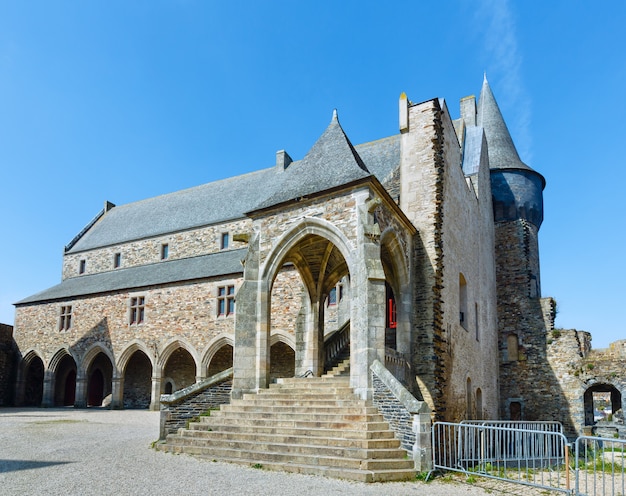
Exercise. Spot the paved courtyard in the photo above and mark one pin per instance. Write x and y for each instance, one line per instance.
(102, 452)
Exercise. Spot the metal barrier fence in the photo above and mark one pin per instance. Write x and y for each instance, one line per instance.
(600, 466)
(533, 457)
(532, 425)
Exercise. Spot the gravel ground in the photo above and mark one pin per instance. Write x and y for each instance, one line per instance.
(103, 452)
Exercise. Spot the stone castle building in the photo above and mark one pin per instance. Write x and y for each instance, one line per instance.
(420, 249)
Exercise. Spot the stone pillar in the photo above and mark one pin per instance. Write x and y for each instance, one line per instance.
(311, 344)
(367, 328)
(423, 449)
(155, 394)
(47, 400)
(80, 400)
(117, 393)
(250, 353)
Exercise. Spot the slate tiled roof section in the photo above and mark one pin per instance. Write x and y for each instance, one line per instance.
(171, 271)
(199, 206)
(473, 149)
(502, 151)
(231, 198)
(331, 162)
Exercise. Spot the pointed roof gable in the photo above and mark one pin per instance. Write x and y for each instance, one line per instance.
(502, 151)
(330, 163)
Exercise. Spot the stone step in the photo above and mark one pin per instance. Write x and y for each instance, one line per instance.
(271, 428)
(288, 438)
(288, 399)
(301, 416)
(216, 421)
(290, 457)
(212, 442)
(282, 409)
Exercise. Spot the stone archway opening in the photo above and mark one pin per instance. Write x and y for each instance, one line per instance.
(282, 361)
(302, 293)
(137, 381)
(65, 382)
(99, 381)
(33, 382)
(179, 370)
(601, 402)
(222, 360)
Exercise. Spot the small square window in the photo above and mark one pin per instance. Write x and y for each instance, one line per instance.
(137, 310)
(65, 319)
(117, 260)
(225, 241)
(225, 300)
(82, 266)
(165, 251)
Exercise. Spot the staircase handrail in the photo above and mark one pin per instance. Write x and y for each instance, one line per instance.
(336, 342)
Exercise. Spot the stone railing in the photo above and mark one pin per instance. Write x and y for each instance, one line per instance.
(178, 408)
(336, 343)
(397, 364)
(408, 417)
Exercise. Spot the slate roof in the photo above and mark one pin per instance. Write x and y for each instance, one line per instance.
(472, 151)
(186, 269)
(331, 162)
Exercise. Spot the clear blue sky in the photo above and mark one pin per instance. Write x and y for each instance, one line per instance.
(120, 101)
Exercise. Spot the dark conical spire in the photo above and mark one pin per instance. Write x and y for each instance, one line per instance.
(502, 151)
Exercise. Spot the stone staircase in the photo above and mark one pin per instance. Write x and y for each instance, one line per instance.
(305, 425)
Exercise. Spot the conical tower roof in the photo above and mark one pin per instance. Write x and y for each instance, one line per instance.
(502, 151)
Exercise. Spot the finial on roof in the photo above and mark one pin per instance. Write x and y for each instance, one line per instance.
(335, 118)
(485, 77)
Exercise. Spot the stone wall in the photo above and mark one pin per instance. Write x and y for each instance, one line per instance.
(8, 363)
(184, 244)
(183, 406)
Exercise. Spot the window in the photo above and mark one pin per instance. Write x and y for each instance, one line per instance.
(137, 309)
(463, 316)
(82, 266)
(65, 320)
(165, 251)
(225, 241)
(477, 321)
(225, 300)
(332, 297)
(117, 260)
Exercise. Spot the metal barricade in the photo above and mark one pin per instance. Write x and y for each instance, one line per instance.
(532, 457)
(532, 425)
(600, 466)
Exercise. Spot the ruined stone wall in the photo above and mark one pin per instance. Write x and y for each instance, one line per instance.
(8, 362)
(184, 244)
(530, 388)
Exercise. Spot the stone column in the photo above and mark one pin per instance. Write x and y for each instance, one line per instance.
(80, 400)
(117, 393)
(48, 389)
(155, 394)
(250, 355)
(311, 342)
(367, 329)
